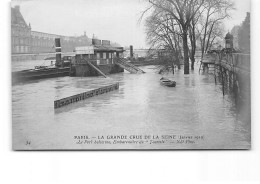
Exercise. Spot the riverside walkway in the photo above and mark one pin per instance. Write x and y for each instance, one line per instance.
(232, 70)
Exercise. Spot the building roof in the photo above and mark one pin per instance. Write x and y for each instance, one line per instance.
(107, 48)
(17, 18)
(229, 36)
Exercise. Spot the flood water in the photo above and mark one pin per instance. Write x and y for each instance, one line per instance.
(141, 107)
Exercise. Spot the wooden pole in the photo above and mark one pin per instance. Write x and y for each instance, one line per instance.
(215, 75)
(223, 87)
(131, 52)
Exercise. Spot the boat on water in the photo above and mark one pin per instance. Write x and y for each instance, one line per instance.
(39, 72)
(167, 82)
(61, 69)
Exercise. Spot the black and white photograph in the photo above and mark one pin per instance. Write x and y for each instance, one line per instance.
(130, 74)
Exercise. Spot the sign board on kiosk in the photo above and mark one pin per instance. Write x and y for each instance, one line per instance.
(84, 50)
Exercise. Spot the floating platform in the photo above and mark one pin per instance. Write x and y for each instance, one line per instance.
(82, 96)
(85, 68)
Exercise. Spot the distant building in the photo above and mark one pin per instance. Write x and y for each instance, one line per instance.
(20, 32)
(241, 35)
(44, 42)
(244, 35)
(24, 40)
(234, 32)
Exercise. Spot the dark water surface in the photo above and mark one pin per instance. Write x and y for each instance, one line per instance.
(141, 106)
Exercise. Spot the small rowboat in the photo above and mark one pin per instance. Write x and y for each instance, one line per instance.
(167, 82)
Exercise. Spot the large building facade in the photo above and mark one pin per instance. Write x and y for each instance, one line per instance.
(26, 41)
(20, 32)
(241, 35)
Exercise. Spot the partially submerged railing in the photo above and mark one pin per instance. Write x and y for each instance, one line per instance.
(82, 96)
(235, 62)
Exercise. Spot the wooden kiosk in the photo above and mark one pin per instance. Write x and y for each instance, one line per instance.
(97, 59)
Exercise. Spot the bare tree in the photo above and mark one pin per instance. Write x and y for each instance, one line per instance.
(162, 33)
(197, 20)
(183, 11)
(193, 38)
(216, 33)
(214, 11)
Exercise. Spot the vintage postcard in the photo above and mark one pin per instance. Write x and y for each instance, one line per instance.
(130, 75)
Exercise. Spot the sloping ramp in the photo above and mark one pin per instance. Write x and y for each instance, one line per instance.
(95, 68)
(127, 66)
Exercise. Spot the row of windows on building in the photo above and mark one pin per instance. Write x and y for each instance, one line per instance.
(43, 36)
(24, 41)
(46, 36)
(23, 33)
(32, 42)
(45, 45)
(103, 55)
(20, 41)
(20, 49)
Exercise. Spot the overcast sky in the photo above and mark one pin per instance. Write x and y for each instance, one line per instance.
(115, 20)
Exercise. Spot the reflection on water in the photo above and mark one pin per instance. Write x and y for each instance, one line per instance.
(141, 106)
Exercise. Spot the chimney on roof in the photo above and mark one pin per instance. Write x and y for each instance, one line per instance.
(17, 7)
